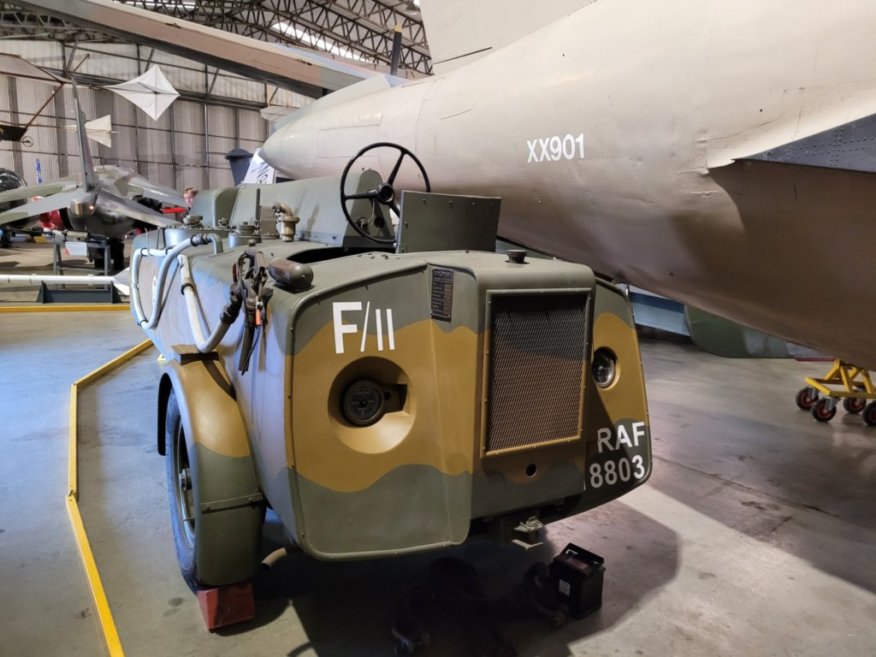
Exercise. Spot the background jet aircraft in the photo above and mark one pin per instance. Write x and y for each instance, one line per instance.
(635, 136)
(100, 204)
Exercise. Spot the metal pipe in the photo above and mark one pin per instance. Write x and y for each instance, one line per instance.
(169, 259)
(193, 308)
(274, 557)
(36, 279)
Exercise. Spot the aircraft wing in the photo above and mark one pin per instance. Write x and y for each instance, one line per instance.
(36, 208)
(124, 207)
(46, 189)
(460, 31)
(138, 185)
(297, 69)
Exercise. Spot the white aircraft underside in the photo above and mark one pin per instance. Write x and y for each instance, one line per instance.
(620, 136)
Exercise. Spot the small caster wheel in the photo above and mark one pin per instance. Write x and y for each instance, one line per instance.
(854, 404)
(869, 414)
(557, 620)
(806, 398)
(824, 409)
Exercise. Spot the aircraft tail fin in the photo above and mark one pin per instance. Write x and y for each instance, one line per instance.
(90, 178)
(460, 31)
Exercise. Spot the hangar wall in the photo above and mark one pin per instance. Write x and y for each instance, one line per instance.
(217, 111)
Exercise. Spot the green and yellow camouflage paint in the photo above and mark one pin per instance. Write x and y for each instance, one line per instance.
(491, 410)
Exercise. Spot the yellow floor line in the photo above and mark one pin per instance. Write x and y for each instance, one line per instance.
(110, 634)
(66, 308)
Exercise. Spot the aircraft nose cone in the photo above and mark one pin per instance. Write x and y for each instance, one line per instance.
(271, 150)
(291, 150)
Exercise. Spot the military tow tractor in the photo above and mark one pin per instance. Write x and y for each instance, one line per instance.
(379, 376)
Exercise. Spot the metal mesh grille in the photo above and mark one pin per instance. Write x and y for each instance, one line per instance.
(536, 367)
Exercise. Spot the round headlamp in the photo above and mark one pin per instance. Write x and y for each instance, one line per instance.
(604, 367)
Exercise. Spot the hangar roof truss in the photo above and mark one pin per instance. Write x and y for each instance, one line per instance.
(359, 29)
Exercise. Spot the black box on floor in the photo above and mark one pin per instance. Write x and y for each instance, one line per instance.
(576, 577)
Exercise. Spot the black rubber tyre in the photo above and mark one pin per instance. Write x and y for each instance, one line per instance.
(181, 493)
(806, 398)
(869, 414)
(96, 258)
(117, 255)
(854, 404)
(824, 409)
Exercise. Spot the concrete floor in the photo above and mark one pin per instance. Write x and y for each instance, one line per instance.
(754, 536)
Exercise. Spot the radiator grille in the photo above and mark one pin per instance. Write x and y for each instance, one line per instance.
(536, 366)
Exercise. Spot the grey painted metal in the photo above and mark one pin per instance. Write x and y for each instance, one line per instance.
(446, 222)
(848, 146)
(658, 312)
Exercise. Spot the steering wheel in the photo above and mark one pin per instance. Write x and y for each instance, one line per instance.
(383, 194)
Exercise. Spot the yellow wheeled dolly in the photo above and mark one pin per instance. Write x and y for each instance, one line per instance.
(844, 381)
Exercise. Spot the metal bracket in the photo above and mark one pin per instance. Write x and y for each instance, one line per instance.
(187, 353)
(231, 503)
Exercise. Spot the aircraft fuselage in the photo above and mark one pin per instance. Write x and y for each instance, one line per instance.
(614, 137)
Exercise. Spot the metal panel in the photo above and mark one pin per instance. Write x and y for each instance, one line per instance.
(250, 144)
(87, 101)
(107, 61)
(219, 146)
(221, 177)
(162, 174)
(45, 144)
(73, 164)
(122, 111)
(71, 146)
(31, 96)
(236, 87)
(190, 176)
(41, 53)
(190, 79)
(124, 144)
(154, 145)
(188, 117)
(221, 121)
(252, 125)
(286, 98)
(536, 369)
(189, 149)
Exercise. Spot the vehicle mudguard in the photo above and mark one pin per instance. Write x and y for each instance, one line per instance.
(229, 505)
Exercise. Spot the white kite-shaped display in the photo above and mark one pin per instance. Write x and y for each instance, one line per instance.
(100, 130)
(151, 92)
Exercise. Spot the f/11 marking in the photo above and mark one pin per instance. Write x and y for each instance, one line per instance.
(338, 310)
(553, 149)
